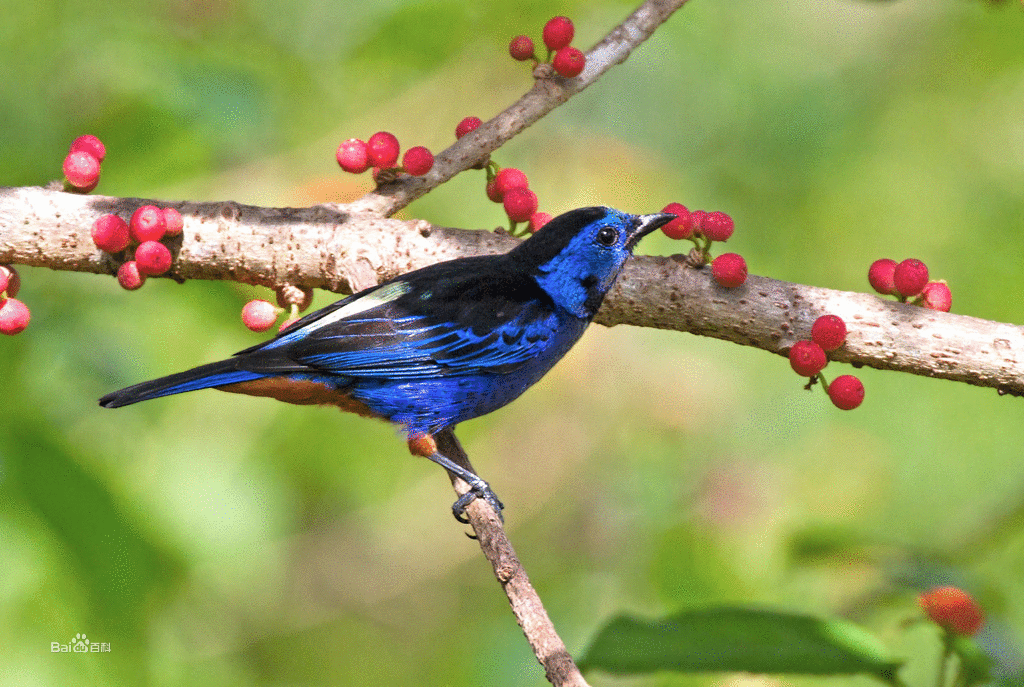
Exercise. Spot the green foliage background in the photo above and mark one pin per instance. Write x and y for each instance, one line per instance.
(219, 540)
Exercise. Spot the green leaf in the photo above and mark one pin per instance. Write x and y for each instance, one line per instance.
(738, 640)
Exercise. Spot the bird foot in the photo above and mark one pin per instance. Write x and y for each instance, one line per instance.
(477, 489)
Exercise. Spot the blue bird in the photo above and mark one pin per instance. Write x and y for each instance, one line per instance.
(439, 345)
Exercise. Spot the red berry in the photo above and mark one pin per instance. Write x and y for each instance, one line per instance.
(520, 204)
(259, 315)
(110, 233)
(953, 609)
(466, 125)
(152, 258)
(173, 223)
(538, 220)
(846, 392)
(937, 296)
(287, 323)
(569, 62)
(10, 280)
(807, 358)
(729, 270)
(697, 218)
(558, 33)
(521, 48)
(829, 332)
(147, 224)
(507, 179)
(89, 144)
(678, 228)
(14, 316)
(880, 275)
(492, 192)
(383, 149)
(417, 161)
(353, 156)
(129, 277)
(718, 226)
(82, 170)
(910, 276)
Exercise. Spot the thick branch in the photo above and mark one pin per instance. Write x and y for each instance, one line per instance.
(773, 315)
(324, 247)
(332, 248)
(548, 92)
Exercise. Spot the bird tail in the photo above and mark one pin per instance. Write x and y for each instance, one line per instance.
(202, 377)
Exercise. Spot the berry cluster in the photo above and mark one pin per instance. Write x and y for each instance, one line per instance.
(14, 314)
(558, 33)
(507, 186)
(808, 358)
(510, 187)
(704, 228)
(908, 281)
(380, 152)
(260, 315)
(148, 226)
(82, 164)
(952, 609)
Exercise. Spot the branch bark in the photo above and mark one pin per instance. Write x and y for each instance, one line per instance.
(548, 647)
(338, 249)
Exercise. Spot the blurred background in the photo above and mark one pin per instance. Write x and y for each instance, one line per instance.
(213, 539)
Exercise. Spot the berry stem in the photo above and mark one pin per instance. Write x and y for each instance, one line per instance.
(816, 379)
(705, 249)
(947, 651)
(960, 677)
(492, 170)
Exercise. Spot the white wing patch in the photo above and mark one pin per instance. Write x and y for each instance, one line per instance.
(379, 296)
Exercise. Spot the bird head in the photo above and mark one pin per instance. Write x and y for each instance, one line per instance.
(577, 256)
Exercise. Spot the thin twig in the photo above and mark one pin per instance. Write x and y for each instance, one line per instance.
(526, 605)
(548, 92)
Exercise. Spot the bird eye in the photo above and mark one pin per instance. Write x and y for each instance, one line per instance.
(607, 236)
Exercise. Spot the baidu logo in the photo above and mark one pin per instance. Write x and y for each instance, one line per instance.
(79, 644)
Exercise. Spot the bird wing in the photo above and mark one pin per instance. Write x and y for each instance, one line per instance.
(466, 320)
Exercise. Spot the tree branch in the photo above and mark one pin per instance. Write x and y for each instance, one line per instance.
(548, 647)
(332, 247)
(548, 92)
(664, 292)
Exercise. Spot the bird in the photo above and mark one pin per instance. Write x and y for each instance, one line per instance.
(439, 345)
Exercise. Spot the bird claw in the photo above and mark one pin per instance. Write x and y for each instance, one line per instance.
(477, 489)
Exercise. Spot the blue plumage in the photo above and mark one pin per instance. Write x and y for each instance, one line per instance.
(440, 345)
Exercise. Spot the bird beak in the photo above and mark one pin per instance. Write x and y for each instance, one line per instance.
(645, 224)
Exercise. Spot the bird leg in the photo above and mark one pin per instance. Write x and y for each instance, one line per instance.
(426, 445)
